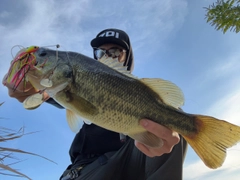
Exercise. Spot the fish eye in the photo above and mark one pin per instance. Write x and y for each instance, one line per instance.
(42, 52)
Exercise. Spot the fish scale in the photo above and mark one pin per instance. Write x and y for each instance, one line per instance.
(114, 86)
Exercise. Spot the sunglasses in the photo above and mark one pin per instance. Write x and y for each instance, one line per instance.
(113, 52)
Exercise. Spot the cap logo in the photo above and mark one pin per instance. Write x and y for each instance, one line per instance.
(109, 34)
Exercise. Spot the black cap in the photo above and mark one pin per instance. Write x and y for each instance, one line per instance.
(114, 36)
(118, 37)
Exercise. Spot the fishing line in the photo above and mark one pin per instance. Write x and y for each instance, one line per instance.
(19, 46)
(48, 80)
(55, 45)
(64, 49)
(68, 58)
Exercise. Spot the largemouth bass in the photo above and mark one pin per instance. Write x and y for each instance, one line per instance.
(106, 94)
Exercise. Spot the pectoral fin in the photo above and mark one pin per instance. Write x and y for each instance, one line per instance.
(148, 139)
(83, 107)
(78, 109)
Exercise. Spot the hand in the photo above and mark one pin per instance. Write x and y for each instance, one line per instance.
(22, 91)
(169, 138)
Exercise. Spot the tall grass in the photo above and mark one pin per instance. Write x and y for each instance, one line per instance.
(8, 154)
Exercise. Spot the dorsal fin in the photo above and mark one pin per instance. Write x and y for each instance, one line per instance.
(115, 64)
(168, 92)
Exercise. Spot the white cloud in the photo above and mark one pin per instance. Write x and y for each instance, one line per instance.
(227, 108)
(225, 66)
(157, 24)
(229, 170)
(46, 23)
(72, 24)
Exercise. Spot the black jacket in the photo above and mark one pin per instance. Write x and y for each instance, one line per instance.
(91, 140)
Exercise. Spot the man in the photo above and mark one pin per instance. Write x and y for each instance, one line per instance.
(97, 153)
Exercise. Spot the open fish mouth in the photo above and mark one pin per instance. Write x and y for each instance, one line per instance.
(24, 61)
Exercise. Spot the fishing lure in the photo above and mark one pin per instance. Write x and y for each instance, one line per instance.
(20, 65)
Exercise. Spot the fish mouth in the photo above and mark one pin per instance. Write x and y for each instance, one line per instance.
(20, 65)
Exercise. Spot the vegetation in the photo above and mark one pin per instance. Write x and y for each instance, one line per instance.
(8, 153)
(224, 15)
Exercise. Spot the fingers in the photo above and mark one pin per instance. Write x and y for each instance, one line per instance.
(169, 138)
(24, 90)
(160, 131)
(150, 152)
(21, 96)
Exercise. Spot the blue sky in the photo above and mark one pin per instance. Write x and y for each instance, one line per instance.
(170, 39)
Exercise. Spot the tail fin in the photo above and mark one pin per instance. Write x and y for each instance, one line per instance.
(213, 138)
